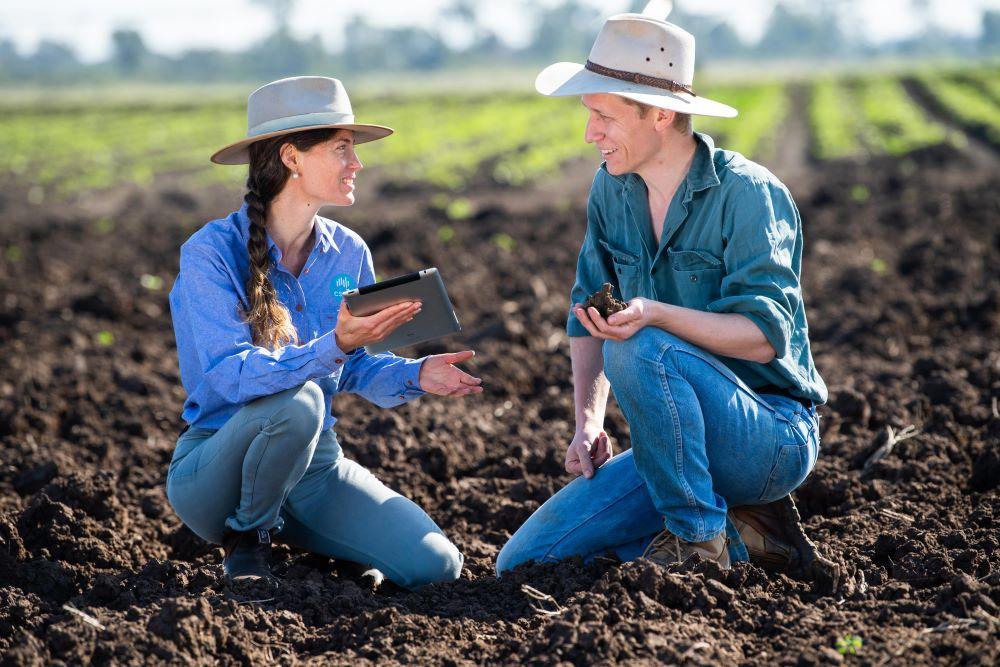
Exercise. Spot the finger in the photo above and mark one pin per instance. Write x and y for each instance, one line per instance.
(345, 312)
(581, 315)
(465, 378)
(598, 321)
(572, 463)
(456, 357)
(392, 311)
(602, 450)
(623, 316)
(387, 327)
(586, 465)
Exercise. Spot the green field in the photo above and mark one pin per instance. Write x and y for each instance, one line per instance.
(448, 140)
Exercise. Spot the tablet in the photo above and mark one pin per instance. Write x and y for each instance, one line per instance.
(436, 318)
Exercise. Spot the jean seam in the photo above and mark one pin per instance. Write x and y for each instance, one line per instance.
(679, 438)
(590, 518)
(260, 459)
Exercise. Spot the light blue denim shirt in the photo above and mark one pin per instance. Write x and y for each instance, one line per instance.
(221, 368)
(731, 243)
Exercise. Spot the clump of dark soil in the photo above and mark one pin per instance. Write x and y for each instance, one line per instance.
(605, 302)
(904, 311)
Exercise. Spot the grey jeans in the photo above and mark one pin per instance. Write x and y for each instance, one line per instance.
(270, 466)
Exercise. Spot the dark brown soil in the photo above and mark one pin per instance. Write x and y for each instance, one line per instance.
(904, 305)
(604, 302)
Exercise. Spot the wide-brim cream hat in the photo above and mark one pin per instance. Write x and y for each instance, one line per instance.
(295, 104)
(641, 57)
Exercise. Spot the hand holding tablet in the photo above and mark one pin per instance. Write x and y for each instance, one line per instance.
(406, 310)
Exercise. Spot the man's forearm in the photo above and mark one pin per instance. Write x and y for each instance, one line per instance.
(590, 386)
(725, 334)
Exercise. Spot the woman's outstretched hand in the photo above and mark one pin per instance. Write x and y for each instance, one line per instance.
(354, 332)
(438, 375)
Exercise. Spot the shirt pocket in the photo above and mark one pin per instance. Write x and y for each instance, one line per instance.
(697, 276)
(628, 271)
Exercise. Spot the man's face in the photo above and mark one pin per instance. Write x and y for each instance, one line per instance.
(626, 141)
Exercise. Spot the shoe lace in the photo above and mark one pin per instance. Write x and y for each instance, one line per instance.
(665, 544)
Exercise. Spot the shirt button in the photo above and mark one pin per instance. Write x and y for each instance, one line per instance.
(409, 382)
(338, 360)
(298, 307)
(305, 270)
(694, 279)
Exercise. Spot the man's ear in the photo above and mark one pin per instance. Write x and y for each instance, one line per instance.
(664, 119)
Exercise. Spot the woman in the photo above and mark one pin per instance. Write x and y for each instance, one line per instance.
(265, 340)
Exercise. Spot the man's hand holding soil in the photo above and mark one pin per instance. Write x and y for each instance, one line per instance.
(618, 326)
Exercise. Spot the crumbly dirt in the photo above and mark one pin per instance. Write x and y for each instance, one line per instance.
(605, 302)
(903, 300)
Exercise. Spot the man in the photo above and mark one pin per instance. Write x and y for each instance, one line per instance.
(710, 361)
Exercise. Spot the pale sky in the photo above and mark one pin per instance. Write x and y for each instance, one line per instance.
(173, 26)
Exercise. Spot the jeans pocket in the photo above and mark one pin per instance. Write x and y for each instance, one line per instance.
(791, 466)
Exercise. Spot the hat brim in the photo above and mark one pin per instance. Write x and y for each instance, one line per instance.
(236, 152)
(570, 79)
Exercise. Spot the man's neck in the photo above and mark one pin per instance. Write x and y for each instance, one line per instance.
(668, 169)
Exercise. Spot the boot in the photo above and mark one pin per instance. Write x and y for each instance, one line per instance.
(248, 555)
(667, 548)
(776, 541)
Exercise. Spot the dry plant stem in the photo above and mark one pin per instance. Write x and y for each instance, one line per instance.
(536, 594)
(892, 438)
(86, 618)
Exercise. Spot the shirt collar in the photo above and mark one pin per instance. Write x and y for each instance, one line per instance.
(324, 232)
(701, 174)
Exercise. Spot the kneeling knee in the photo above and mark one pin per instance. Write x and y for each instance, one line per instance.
(437, 561)
(303, 407)
(622, 357)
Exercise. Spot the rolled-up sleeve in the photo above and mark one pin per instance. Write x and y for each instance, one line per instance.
(208, 304)
(592, 270)
(762, 256)
(385, 379)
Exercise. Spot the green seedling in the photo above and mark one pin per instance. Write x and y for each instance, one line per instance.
(152, 283)
(879, 266)
(446, 233)
(849, 644)
(503, 241)
(458, 209)
(104, 338)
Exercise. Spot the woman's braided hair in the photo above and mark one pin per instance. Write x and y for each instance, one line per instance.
(270, 322)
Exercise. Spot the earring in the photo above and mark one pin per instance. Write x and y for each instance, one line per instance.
(295, 174)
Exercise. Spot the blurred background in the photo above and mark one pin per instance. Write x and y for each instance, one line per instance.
(131, 92)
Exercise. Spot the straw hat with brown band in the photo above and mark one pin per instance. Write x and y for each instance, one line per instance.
(641, 57)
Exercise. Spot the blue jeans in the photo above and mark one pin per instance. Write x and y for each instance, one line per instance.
(701, 441)
(270, 466)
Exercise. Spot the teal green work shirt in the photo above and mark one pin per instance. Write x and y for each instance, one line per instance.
(731, 243)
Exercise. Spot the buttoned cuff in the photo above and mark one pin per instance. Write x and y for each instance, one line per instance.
(410, 387)
(329, 353)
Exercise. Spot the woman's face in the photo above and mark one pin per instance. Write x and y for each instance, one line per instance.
(327, 170)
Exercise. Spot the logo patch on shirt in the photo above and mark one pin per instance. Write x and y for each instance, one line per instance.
(340, 284)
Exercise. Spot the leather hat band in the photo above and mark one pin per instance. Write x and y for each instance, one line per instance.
(642, 79)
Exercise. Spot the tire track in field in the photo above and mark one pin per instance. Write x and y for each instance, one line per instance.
(979, 148)
(791, 153)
